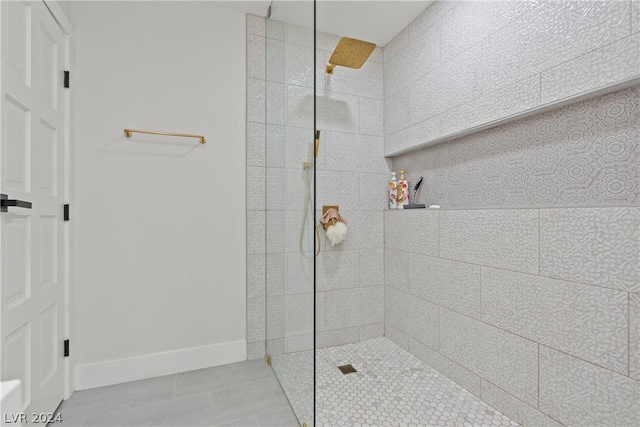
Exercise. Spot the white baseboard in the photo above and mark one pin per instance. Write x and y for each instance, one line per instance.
(118, 371)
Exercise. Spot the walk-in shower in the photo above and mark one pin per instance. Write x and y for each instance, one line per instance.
(500, 307)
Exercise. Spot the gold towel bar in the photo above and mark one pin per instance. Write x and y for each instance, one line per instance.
(128, 133)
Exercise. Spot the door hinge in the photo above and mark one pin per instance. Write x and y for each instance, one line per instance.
(66, 79)
(66, 212)
(66, 348)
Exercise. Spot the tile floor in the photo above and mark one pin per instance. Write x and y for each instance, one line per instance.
(241, 394)
(391, 388)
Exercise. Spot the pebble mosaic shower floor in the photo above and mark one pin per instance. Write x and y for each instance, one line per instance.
(391, 388)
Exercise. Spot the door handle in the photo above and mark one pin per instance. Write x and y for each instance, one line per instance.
(5, 203)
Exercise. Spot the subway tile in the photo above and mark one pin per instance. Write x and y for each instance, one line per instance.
(255, 188)
(498, 238)
(584, 321)
(413, 316)
(256, 144)
(354, 307)
(414, 231)
(514, 408)
(371, 118)
(575, 392)
(275, 60)
(447, 367)
(502, 358)
(614, 63)
(634, 343)
(597, 246)
(256, 25)
(256, 277)
(550, 35)
(256, 232)
(255, 319)
(256, 55)
(256, 101)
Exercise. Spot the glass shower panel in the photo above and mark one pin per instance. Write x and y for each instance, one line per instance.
(290, 228)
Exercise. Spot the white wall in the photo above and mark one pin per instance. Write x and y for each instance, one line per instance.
(160, 221)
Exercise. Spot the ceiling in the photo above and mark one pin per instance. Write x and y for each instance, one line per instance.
(371, 20)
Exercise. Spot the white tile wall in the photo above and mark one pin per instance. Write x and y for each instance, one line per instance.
(448, 367)
(584, 321)
(499, 238)
(476, 322)
(507, 360)
(601, 68)
(595, 246)
(514, 408)
(634, 343)
(415, 317)
(578, 393)
(530, 55)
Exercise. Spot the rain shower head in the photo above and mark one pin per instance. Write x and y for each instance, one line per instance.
(350, 53)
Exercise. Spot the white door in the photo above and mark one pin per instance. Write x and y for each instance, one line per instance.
(32, 170)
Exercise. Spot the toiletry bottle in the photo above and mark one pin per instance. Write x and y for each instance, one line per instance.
(403, 191)
(393, 192)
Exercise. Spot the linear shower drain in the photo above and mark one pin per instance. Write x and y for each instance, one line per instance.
(347, 369)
